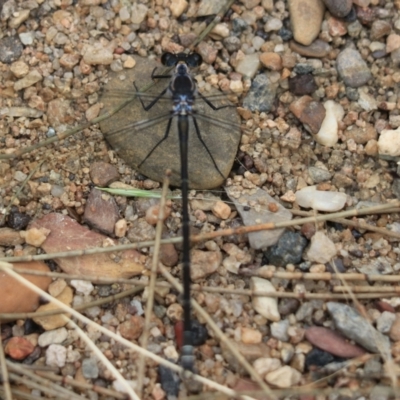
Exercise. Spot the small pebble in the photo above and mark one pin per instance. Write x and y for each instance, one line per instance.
(380, 29)
(10, 49)
(30, 79)
(250, 335)
(352, 68)
(221, 210)
(19, 69)
(322, 249)
(271, 61)
(311, 113)
(98, 55)
(169, 381)
(306, 19)
(392, 42)
(249, 65)
(204, 263)
(266, 306)
(332, 342)
(302, 84)
(284, 377)
(121, 227)
(310, 197)
(288, 250)
(84, 287)
(26, 38)
(318, 358)
(264, 365)
(252, 216)
(101, 211)
(17, 220)
(56, 356)
(279, 330)
(90, 369)
(328, 133)
(35, 237)
(133, 328)
(338, 8)
(385, 321)
(18, 348)
(55, 336)
(54, 321)
(103, 174)
(389, 142)
(317, 49)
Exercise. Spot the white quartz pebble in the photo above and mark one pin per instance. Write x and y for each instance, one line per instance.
(328, 133)
(310, 197)
(265, 306)
(389, 142)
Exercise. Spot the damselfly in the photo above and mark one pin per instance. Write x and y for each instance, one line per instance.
(185, 119)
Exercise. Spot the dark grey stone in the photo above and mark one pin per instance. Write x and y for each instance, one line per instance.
(261, 96)
(10, 49)
(288, 250)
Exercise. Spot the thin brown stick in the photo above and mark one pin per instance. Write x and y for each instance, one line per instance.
(261, 272)
(244, 292)
(360, 225)
(81, 385)
(4, 372)
(153, 276)
(104, 360)
(44, 388)
(210, 235)
(320, 276)
(369, 289)
(19, 368)
(9, 270)
(99, 302)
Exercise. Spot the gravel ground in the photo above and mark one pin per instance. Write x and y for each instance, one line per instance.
(317, 91)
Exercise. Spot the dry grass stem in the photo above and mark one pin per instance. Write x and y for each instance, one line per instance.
(4, 373)
(153, 276)
(8, 268)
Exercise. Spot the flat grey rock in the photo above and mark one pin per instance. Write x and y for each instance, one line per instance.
(352, 325)
(260, 215)
(134, 144)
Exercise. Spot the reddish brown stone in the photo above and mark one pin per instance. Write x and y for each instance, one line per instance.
(16, 297)
(19, 348)
(332, 342)
(103, 173)
(101, 211)
(311, 113)
(133, 328)
(66, 235)
(384, 306)
(168, 255)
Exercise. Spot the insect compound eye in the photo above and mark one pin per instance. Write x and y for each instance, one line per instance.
(169, 59)
(193, 60)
